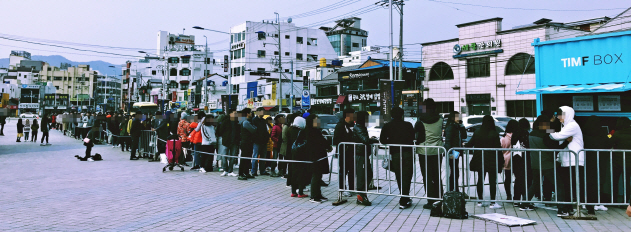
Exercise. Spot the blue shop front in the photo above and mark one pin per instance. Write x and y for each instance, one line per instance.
(590, 74)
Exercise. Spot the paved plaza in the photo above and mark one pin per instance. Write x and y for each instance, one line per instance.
(47, 188)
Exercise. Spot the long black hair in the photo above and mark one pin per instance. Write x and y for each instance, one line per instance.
(524, 124)
(20, 122)
(512, 127)
(290, 119)
(361, 118)
(488, 126)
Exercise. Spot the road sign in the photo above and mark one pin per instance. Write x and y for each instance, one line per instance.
(306, 99)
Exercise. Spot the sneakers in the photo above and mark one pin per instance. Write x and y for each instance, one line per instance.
(302, 195)
(242, 178)
(315, 200)
(526, 207)
(406, 205)
(561, 213)
(363, 200)
(224, 174)
(495, 206)
(250, 176)
(324, 199)
(194, 168)
(600, 208)
(232, 174)
(294, 195)
(133, 158)
(347, 194)
(202, 170)
(273, 174)
(480, 204)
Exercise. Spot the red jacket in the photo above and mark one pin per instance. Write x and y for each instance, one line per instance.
(194, 137)
(277, 132)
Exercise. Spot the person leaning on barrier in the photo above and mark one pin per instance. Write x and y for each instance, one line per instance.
(363, 151)
(429, 130)
(596, 164)
(621, 163)
(567, 172)
(543, 162)
(486, 162)
(455, 132)
(394, 133)
(346, 154)
(135, 130)
(248, 133)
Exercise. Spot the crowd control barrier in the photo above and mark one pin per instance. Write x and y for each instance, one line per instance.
(148, 143)
(607, 173)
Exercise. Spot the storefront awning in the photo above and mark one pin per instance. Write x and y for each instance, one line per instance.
(340, 100)
(591, 88)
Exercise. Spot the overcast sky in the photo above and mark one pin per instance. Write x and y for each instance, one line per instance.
(132, 25)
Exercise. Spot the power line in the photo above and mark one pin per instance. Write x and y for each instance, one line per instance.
(534, 9)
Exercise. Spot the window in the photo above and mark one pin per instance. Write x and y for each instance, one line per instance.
(330, 90)
(185, 72)
(261, 36)
(521, 63)
(48, 78)
(311, 57)
(69, 87)
(183, 86)
(260, 70)
(276, 53)
(298, 73)
(207, 61)
(299, 40)
(242, 53)
(261, 53)
(444, 107)
(69, 78)
(174, 60)
(307, 73)
(312, 41)
(206, 72)
(286, 53)
(173, 85)
(299, 56)
(286, 70)
(173, 72)
(363, 43)
(521, 108)
(479, 67)
(65, 78)
(57, 87)
(153, 72)
(355, 45)
(441, 71)
(186, 60)
(286, 36)
(58, 78)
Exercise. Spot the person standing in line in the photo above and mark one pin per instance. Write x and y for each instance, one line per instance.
(486, 162)
(135, 130)
(53, 121)
(285, 148)
(363, 167)
(260, 142)
(270, 144)
(248, 134)
(45, 127)
(160, 126)
(346, 154)
(183, 133)
(621, 161)
(394, 133)
(297, 173)
(209, 141)
(429, 130)
(317, 148)
(455, 132)
(114, 130)
(221, 119)
(124, 140)
(277, 139)
(568, 160)
(596, 163)
(20, 130)
(3, 120)
(34, 129)
(27, 129)
(524, 140)
(229, 130)
(509, 140)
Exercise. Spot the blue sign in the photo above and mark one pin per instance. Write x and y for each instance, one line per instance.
(252, 87)
(306, 99)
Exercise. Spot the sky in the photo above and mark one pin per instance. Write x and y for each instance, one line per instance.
(123, 27)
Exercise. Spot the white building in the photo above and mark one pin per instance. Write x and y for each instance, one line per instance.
(359, 57)
(108, 91)
(480, 71)
(16, 56)
(254, 57)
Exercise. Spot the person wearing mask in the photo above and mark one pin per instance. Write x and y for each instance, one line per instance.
(135, 130)
(346, 154)
(20, 128)
(125, 141)
(229, 130)
(34, 129)
(597, 164)
(429, 130)
(285, 148)
(27, 129)
(297, 174)
(400, 132)
(317, 148)
(486, 162)
(45, 128)
(543, 162)
(277, 139)
(260, 142)
(455, 132)
(160, 126)
(621, 162)
(363, 167)
(209, 141)
(248, 134)
(568, 160)
(555, 126)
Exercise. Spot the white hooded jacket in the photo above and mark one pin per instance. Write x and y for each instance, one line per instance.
(570, 129)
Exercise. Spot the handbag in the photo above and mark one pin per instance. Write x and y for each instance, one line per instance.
(299, 145)
(86, 140)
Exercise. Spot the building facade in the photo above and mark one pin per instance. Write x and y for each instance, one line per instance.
(107, 92)
(480, 72)
(78, 82)
(347, 36)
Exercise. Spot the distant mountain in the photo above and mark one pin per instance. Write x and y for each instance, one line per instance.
(55, 60)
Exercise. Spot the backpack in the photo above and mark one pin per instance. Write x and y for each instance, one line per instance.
(97, 157)
(453, 205)
(299, 145)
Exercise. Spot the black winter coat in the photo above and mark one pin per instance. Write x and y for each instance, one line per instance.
(493, 160)
(262, 134)
(344, 133)
(397, 132)
(360, 135)
(316, 150)
(454, 134)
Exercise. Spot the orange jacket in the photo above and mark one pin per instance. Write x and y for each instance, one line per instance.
(195, 136)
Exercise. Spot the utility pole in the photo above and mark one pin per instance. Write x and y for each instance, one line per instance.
(279, 95)
(391, 47)
(291, 99)
(205, 90)
(401, 41)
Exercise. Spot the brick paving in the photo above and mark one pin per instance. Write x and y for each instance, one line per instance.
(46, 188)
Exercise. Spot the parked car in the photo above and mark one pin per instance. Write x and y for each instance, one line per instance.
(29, 115)
(475, 119)
(499, 126)
(328, 122)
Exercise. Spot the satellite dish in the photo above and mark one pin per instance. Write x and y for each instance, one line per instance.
(289, 20)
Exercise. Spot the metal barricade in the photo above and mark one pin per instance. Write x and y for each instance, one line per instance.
(148, 143)
(606, 172)
(400, 159)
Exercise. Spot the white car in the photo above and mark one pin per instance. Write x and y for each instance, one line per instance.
(29, 115)
(475, 119)
(375, 131)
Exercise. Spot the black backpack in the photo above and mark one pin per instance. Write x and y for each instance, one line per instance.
(454, 205)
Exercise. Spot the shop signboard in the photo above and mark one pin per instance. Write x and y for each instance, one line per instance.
(229, 101)
(28, 105)
(323, 101)
(583, 103)
(609, 103)
(355, 97)
(306, 102)
(212, 104)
